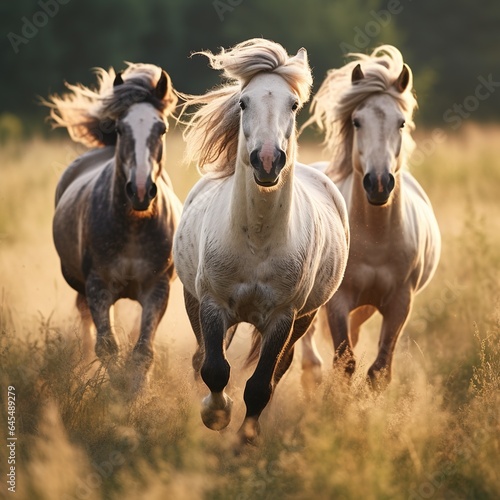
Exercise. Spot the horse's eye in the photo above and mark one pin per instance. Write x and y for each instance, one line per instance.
(402, 124)
(242, 105)
(355, 123)
(295, 106)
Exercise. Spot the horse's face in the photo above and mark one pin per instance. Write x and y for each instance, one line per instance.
(268, 109)
(378, 123)
(139, 150)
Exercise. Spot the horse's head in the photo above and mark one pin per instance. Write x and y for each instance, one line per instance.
(139, 147)
(268, 109)
(378, 123)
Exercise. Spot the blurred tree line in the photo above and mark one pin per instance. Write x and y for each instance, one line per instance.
(450, 45)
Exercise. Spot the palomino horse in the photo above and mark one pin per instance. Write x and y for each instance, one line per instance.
(262, 239)
(365, 109)
(116, 211)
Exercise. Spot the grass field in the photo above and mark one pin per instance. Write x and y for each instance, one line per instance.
(435, 433)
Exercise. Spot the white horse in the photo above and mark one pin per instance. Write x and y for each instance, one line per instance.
(262, 239)
(365, 109)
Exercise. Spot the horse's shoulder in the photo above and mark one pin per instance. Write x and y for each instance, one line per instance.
(314, 178)
(94, 159)
(413, 186)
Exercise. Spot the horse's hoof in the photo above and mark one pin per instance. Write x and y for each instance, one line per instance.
(216, 411)
(249, 432)
(378, 379)
(106, 348)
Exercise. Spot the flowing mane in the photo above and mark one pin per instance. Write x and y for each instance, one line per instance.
(90, 115)
(337, 98)
(212, 131)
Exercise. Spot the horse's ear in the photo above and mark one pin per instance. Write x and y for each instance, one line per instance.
(357, 74)
(302, 55)
(162, 85)
(403, 79)
(118, 79)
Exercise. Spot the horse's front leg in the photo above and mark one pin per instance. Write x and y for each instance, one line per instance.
(100, 299)
(259, 388)
(311, 361)
(215, 369)
(154, 304)
(395, 315)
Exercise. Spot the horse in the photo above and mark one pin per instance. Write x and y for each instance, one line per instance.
(262, 239)
(115, 208)
(365, 109)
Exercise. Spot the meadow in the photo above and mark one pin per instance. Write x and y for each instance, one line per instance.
(434, 433)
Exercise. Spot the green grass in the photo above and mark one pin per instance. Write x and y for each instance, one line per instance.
(435, 433)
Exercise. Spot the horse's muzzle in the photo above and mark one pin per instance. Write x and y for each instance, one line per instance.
(267, 165)
(149, 194)
(378, 187)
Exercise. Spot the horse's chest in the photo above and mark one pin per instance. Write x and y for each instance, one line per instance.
(251, 286)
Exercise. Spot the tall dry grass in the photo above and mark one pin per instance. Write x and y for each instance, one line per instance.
(435, 433)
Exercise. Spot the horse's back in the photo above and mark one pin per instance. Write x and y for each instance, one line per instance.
(90, 162)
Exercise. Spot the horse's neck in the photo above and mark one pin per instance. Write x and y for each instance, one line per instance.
(374, 221)
(261, 215)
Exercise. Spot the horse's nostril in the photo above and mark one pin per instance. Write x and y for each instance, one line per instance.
(391, 183)
(367, 183)
(129, 190)
(254, 158)
(153, 190)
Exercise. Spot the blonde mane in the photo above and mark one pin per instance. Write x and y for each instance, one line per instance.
(212, 131)
(337, 98)
(90, 115)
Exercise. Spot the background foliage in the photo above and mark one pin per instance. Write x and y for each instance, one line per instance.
(448, 44)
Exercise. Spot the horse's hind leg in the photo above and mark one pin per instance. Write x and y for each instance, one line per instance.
(193, 312)
(311, 361)
(303, 324)
(87, 327)
(357, 318)
(338, 322)
(215, 369)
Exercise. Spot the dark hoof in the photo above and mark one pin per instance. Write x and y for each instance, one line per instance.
(216, 411)
(106, 348)
(378, 379)
(249, 432)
